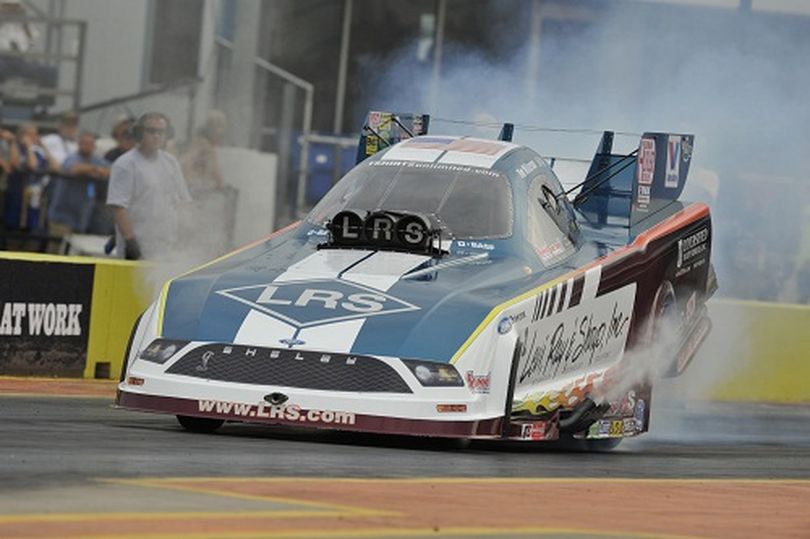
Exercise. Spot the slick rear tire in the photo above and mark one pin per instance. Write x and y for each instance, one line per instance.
(577, 445)
(600, 446)
(203, 425)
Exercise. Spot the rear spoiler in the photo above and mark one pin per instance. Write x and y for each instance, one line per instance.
(624, 189)
(383, 129)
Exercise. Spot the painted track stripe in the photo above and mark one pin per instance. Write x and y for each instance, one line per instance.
(430, 531)
(159, 481)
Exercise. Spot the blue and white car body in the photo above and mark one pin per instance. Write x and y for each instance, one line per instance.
(512, 318)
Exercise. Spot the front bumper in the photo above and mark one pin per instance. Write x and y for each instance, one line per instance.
(311, 389)
(296, 416)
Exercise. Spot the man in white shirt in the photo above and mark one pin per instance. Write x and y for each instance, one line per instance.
(64, 141)
(146, 189)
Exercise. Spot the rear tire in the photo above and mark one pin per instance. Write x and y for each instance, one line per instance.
(603, 445)
(567, 442)
(202, 425)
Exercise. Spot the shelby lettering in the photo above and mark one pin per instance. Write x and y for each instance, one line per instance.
(41, 319)
(580, 343)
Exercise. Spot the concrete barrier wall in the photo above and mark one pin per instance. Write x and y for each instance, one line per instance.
(67, 316)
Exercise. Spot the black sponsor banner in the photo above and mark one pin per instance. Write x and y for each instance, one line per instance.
(44, 317)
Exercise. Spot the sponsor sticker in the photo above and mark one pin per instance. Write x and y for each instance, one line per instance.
(534, 431)
(639, 414)
(464, 169)
(526, 169)
(311, 303)
(628, 426)
(505, 325)
(478, 383)
(551, 252)
(692, 247)
(475, 245)
(673, 171)
(588, 335)
(643, 195)
(686, 149)
(281, 412)
(646, 161)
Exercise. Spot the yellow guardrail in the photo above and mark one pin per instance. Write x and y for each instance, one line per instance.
(757, 351)
(119, 297)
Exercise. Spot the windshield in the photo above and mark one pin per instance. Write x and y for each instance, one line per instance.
(473, 203)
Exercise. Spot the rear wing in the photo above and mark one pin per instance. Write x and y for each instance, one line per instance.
(383, 129)
(625, 189)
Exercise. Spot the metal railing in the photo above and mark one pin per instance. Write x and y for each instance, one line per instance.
(30, 79)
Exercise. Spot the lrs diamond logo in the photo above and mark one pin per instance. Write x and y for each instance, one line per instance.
(312, 303)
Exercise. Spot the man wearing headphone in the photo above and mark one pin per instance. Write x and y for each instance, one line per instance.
(145, 189)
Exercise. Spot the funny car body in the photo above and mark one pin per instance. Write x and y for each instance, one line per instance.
(448, 287)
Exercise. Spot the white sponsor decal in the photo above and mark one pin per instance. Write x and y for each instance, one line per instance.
(464, 169)
(320, 301)
(692, 246)
(475, 245)
(646, 161)
(284, 412)
(589, 335)
(643, 195)
(526, 168)
(478, 383)
(686, 149)
(673, 175)
(41, 319)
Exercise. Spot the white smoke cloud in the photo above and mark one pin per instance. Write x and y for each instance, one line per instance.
(736, 80)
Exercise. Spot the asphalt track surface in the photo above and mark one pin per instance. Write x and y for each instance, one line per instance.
(76, 467)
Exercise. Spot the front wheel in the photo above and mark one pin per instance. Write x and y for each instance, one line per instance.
(200, 424)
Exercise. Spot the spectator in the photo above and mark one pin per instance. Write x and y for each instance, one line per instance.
(146, 188)
(213, 199)
(73, 198)
(200, 162)
(30, 161)
(122, 135)
(6, 139)
(63, 143)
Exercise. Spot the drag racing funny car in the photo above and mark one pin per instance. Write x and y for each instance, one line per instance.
(449, 287)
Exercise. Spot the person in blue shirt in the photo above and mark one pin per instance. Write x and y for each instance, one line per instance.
(74, 193)
(29, 161)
